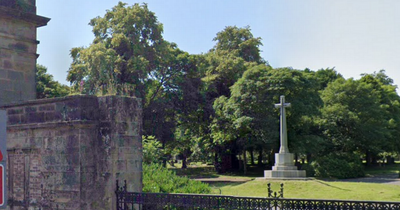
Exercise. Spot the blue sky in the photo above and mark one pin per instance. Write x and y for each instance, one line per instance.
(355, 36)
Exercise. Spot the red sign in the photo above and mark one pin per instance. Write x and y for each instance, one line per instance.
(2, 193)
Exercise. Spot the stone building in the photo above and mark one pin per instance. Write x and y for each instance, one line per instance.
(18, 23)
(63, 153)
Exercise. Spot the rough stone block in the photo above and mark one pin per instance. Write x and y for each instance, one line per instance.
(56, 156)
(3, 73)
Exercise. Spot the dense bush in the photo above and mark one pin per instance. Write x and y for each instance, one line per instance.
(339, 165)
(158, 179)
(310, 171)
(152, 150)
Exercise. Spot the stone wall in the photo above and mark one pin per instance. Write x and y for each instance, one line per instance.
(18, 23)
(66, 153)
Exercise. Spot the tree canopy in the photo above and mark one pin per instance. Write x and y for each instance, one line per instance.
(219, 106)
(46, 87)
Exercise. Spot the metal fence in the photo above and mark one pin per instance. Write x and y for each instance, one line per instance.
(154, 201)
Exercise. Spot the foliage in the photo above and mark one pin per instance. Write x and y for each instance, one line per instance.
(158, 179)
(361, 116)
(127, 48)
(152, 150)
(220, 103)
(244, 115)
(239, 42)
(339, 165)
(310, 171)
(46, 87)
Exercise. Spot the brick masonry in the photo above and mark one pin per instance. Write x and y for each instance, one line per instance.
(18, 23)
(66, 153)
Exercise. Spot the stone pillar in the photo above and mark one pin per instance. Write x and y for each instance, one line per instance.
(66, 153)
(18, 23)
(120, 133)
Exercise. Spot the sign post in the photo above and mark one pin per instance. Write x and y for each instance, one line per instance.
(3, 159)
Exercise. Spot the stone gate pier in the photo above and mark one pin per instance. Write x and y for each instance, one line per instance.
(66, 153)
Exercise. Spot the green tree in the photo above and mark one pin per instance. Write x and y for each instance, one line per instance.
(389, 102)
(249, 116)
(324, 77)
(353, 118)
(240, 42)
(235, 51)
(46, 87)
(126, 52)
(129, 57)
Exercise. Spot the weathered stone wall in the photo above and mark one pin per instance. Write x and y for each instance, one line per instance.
(22, 5)
(66, 153)
(18, 23)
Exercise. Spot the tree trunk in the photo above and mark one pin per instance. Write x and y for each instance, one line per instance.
(217, 165)
(271, 158)
(244, 162)
(260, 153)
(184, 164)
(164, 162)
(308, 158)
(252, 156)
(367, 158)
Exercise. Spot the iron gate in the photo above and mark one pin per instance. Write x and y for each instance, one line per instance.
(154, 201)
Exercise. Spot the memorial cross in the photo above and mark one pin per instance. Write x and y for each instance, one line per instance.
(283, 133)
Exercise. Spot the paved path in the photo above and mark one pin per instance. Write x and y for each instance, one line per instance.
(224, 179)
(381, 179)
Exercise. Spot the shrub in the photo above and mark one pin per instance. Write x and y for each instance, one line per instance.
(158, 179)
(310, 171)
(152, 150)
(339, 165)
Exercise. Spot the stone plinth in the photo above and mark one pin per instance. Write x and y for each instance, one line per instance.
(284, 168)
(66, 153)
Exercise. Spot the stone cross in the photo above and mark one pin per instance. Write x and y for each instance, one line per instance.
(283, 133)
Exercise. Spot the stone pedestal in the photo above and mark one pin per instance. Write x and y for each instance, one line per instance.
(66, 153)
(284, 168)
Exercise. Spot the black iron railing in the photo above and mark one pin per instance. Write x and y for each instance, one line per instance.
(154, 201)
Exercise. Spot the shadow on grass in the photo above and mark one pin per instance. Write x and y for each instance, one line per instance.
(209, 172)
(328, 185)
(382, 169)
(196, 172)
(216, 186)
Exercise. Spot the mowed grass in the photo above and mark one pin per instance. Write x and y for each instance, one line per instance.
(312, 189)
(384, 169)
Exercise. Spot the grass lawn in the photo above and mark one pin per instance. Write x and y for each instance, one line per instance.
(310, 189)
(385, 169)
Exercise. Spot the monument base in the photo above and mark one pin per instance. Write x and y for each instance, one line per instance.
(284, 168)
(283, 174)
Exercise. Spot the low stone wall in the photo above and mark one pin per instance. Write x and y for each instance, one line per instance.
(66, 153)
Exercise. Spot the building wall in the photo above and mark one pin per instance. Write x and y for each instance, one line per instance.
(67, 153)
(18, 23)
